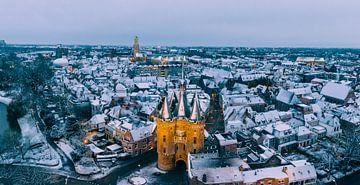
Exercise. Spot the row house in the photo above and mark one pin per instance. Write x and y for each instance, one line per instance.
(140, 140)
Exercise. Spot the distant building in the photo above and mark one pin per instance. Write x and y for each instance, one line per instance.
(137, 56)
(157, 70)
(311, 61)
(2, 43)
(136, 47)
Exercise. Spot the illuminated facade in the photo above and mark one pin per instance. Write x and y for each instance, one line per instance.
(179, 130)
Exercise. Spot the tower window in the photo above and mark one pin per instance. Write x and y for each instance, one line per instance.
(164, 138)
(194, 140)
(164, 150)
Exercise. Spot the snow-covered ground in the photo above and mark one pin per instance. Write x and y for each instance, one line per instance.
(35, 151)
(86, 166)
(146, 173)
(65, 147)
(5, 100)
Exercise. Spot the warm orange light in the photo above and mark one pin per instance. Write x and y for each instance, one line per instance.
(86, 141)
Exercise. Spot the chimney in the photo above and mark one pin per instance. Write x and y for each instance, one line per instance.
(241, 168)
(284, 169)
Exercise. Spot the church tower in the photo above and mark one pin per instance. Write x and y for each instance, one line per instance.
(136, 47)
(179, 131)
(214, 118)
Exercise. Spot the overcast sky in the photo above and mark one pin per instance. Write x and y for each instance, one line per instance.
(259, 23)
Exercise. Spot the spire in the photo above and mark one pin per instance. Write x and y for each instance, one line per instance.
(165, 109)
(182, 70)
(195, 114)
(181, 108)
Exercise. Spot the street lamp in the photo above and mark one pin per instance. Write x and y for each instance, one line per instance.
(334, 180)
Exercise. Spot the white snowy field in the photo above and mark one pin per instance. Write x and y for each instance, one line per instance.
(146, 173)
(86, 166)
(34, 150)
(5, 100)
(65, 147)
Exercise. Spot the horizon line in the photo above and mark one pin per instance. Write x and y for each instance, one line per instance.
(182, 46)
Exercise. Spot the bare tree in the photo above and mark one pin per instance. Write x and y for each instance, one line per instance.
(10, 141)
(351, 147)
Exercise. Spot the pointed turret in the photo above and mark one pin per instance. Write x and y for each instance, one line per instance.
(165, 109)
(196, 110)
(181, 108)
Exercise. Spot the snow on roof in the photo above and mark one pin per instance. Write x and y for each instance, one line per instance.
(310, 117)
(254, 176)
(282, 127)
(251, 77)
(142, 132)
(61, 62)
(114, 147)
(97, 119)
(302, 130)
(242, 99)
(267, 117)
(95, 149)
(301, 91)
(328, 119)
(316, 108)
(300, 172)
(127, 126)
(335, 90)
(116, 124)
(143, 85)
(310, 59)
(95, 102)
(286, 97)
(217, 73)
(319, 129)
(225, 141)
(115, 112)
(318, 80)
(120, 87)
(148, 107)
(219, 175)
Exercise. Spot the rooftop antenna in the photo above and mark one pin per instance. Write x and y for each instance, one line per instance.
(182, 70)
